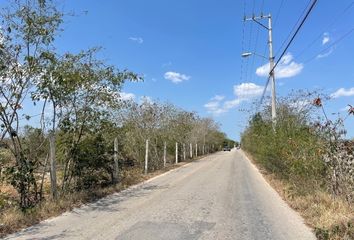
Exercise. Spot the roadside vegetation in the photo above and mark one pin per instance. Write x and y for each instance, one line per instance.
(307, 158)
(88, 140)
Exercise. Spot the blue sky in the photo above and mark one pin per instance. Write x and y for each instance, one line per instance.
(189, 51)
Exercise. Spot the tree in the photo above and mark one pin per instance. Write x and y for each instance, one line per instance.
(28, 29)
(83, 92)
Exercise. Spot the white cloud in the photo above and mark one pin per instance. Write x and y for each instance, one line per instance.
(326, 54)
(176, 77)
(286, 68)
(218, 98)
(232, 104)
(214, 108)
(126, 96)
(248, 90)
(243, 92)
(138, 40)
(214, 105)
(326, 38)
(342, 92)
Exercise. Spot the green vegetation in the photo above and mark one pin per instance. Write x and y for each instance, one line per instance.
(301, 151)
(68, 157)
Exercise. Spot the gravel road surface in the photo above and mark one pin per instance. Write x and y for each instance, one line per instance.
(222, 196)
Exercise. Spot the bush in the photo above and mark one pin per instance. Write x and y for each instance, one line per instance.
(291, 150)
(312, 161)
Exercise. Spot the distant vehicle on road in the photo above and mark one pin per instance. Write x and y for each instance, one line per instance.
(226, 148)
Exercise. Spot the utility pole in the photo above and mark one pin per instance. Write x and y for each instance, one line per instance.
(176, 152)
(190, 150)
(196, 150)
(164, 154)
(146, 156)
(184, 152)
(115, 164)
(271, 57)
(53, 171)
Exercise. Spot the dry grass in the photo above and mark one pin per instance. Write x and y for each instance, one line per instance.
(331, 219)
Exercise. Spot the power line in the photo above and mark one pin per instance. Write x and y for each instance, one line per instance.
(328, 26)
(249, 47)
(294, 27)
(248, 69)
(296, 32)
(254, 51)
(243, 41)
(278, 12)
(347, 34)
(287, 46)
(256, 45)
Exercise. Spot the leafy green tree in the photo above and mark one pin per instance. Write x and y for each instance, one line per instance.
(84, 91)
